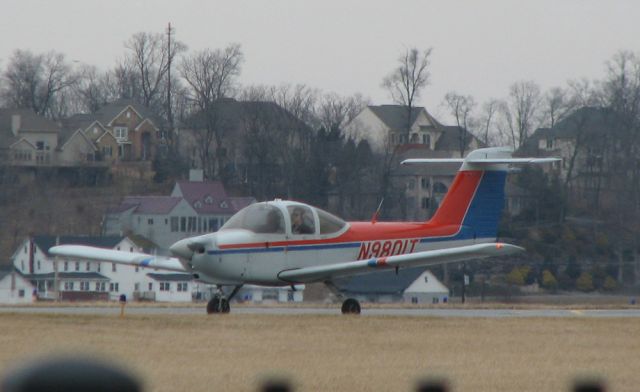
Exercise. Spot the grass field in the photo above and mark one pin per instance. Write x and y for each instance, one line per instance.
(327, 353)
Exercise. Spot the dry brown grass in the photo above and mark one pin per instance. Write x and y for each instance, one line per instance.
(326, 353)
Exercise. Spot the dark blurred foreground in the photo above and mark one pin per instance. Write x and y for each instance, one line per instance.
(76, 374)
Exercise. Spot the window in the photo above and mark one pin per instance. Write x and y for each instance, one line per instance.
(301, 220)
(426, 139)
(150, 286)
(425, 203)
(113, 267)
(191, 224)
(150, 221)
(137, 268)
(38, 264)
(88, 266)
(99, 264)
(439, 187)
(182, 286)
(213, 224)
(121, 133)
(426, 279)
(329, 223)
(114, 287)
(107, 151)
(174, 224)
(424, 183)
(40, 146)
(183, 224)
(68, 286)
(21, 293)
(136, 287)
(549, 144)
(165, 286)
(66, 266)
(84, 286)
(99, 286)
(77, 266)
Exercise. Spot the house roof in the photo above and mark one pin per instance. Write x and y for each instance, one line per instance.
(427, 283)
(450, 138)
(395, 116)
(153, 205)
(6, 270)
(44, 242)
(176, 277)
(113, 109)
(210, 197)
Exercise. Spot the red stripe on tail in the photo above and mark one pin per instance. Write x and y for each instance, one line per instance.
(457, 200)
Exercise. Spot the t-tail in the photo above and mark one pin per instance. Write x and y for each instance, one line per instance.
(476, 198)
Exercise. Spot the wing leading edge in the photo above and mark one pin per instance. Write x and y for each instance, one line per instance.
(418, 259)
(118, 257)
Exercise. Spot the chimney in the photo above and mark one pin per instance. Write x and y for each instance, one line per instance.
(16, 122)
(196, 175)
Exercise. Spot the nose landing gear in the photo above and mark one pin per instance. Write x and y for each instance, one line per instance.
(220, 302)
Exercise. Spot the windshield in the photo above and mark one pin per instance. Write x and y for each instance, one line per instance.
(329, 223)
(258, 218)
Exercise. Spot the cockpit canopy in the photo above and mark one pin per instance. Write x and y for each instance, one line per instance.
(285, 218)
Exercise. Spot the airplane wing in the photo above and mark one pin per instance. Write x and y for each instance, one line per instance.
(118, 257)
(418, 259)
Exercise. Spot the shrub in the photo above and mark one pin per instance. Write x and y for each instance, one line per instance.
(609, 284)
(549, 281)
(585, 282)
(515, 277)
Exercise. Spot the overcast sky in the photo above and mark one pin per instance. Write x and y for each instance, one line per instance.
(479, 47)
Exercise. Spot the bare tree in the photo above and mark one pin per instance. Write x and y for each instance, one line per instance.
(335, 112)
(405, 83)
(487, 119)
(150, 56)
(92, 90)
(35, 81)
(520, 111)
(460, 107)
(211, 75)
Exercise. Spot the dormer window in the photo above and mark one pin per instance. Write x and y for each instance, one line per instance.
(121, 133)
(197, 204)
(95, 130)
(208, 200)
(224, 204)
(128, 114)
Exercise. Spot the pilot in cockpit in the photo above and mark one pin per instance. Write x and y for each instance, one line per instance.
(299, 223)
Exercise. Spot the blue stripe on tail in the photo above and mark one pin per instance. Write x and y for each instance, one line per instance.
(486, 207)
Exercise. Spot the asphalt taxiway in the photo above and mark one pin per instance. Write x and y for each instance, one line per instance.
(398, 312)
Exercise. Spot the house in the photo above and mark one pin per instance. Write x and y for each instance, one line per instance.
(171, 287)
(85, 279)
(193, 207)
(120, 131)
(15, 288)
(256, 140)
(426, 289)
(262, 294)
(378, 287)
(27, 139)
(386, 127)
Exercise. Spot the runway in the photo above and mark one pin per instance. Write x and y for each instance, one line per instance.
(386, 311)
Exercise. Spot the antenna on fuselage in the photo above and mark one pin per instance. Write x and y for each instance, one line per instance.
(374, 218)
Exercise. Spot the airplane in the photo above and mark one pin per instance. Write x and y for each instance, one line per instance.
(288, 243)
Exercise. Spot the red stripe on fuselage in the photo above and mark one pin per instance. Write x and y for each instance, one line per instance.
(446, 221)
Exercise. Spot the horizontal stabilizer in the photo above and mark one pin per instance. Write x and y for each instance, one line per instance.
(82, 252)
(481, 161)
(418, 259)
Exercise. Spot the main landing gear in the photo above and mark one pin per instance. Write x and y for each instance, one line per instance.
(350, 306)
(220, 302)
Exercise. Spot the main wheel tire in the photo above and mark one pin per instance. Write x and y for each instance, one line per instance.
(351, 306)
(213, 306)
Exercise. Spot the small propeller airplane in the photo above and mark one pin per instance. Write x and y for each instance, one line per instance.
(287, 243)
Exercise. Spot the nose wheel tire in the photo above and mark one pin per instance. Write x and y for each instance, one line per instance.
(350, 306)
(218, 304)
